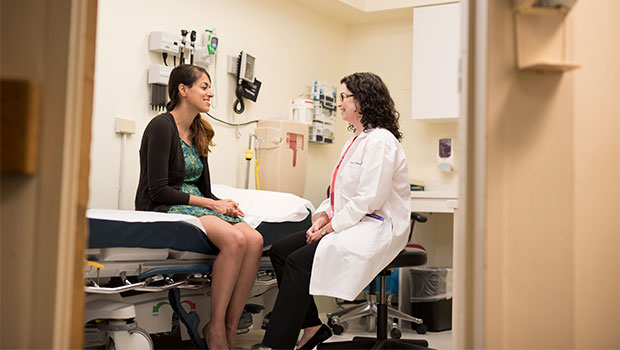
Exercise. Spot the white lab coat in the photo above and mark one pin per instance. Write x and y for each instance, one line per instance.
(372, 179)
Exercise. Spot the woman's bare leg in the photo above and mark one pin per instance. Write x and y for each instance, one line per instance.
(226, 269)
(245, 280)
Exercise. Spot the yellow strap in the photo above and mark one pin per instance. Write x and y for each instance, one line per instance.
(94, 264)
(256, 167)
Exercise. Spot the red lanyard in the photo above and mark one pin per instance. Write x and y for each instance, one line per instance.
(331, 189)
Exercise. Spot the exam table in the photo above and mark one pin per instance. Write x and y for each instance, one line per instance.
(148, 273)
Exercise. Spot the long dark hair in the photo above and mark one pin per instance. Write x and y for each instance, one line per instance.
(376, 104)
(201, 130)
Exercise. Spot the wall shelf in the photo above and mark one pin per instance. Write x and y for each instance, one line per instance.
(541, 37)
(533, 7)
(551, 66)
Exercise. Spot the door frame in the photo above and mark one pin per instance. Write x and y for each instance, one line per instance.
(68, 327)
(469, 312)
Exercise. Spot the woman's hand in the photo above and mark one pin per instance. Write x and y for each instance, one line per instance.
(227, 207)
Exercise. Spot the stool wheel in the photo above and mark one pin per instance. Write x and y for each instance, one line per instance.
(395, 333)
(421, 329)
(337, 329)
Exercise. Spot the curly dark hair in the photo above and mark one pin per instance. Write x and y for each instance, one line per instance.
(376, 104)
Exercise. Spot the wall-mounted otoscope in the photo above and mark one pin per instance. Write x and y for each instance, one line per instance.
(182, 46)
(192, 38)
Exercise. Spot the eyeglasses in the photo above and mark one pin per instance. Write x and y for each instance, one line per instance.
(344, 96)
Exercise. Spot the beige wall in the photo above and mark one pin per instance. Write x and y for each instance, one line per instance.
(293, 46)
(552, 189)
(597, 175)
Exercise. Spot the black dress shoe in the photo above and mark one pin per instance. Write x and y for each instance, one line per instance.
(320, 336)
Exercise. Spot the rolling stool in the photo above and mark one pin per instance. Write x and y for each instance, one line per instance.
(406, 258)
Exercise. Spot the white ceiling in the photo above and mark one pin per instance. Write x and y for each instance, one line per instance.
(367, 11)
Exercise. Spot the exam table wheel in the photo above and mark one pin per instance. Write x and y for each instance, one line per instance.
(395, 333)
(337, 329)
(421, 329)
(136, 338)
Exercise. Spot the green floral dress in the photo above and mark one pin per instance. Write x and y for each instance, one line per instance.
(193, 170)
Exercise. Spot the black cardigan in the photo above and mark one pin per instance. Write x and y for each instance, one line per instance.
(162, 168)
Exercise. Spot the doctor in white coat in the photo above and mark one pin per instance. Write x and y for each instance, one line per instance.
(357, 231)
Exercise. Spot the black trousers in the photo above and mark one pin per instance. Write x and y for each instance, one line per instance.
(295, 308)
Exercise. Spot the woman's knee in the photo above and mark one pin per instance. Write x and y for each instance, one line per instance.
(235, 242)
(254, 239)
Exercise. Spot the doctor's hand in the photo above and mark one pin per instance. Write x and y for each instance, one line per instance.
(314, 233)
(319, 222)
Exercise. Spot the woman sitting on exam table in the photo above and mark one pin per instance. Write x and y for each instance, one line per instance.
(174, 178)
(357, 231)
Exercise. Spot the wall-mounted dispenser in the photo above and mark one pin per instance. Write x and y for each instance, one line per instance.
(282, 152)
(301, 110)
(445, 155)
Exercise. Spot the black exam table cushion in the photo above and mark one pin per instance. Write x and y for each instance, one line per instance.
(176, 235)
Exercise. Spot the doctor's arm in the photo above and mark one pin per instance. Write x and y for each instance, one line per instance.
(320, 220)
(375, 183)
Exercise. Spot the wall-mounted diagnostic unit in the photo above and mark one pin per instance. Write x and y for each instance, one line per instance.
(247, 84)
(164, 43)
(187, 49)
(247, 67)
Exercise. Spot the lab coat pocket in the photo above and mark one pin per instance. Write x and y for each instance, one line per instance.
(350, 172)
(361, 239)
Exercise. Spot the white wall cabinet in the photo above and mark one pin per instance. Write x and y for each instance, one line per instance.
(436, 46)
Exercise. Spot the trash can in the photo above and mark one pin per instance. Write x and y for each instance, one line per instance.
(431, 297)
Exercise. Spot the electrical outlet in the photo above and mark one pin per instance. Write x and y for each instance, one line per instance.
(125, 126)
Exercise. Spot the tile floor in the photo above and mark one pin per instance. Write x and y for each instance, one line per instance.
(436, 340)
(251, 340)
